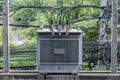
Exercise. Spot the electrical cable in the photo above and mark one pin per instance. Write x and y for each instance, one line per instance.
(63, 13)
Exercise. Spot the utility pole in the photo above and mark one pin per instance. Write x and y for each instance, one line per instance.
(114, 38)
(6, 51)
(102, 34)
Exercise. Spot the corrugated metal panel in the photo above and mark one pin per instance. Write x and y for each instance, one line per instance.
(48, 54)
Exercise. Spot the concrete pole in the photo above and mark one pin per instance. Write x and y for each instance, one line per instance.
(102, 34)
(114, 37)
(6, 52)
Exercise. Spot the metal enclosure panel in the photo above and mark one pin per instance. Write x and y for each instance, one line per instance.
(59, 54)
(38, 52)
(70, 47)
(80, 48)
(60, 68)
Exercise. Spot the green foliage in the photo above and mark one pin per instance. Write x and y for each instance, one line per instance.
(29, 33)
(24, 16)
(0, 35)
(0, 5)
(89, 28)
(40, 19)
(119, 12)
(37, 17)
(21, 60)
(29, 16)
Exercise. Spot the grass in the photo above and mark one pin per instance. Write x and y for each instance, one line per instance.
(23, 60)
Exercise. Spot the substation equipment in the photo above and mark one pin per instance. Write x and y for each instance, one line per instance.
(59, 51)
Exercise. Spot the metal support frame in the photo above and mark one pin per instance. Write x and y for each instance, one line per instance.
(6, 52)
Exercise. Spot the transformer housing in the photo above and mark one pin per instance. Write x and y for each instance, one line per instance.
(59, 53)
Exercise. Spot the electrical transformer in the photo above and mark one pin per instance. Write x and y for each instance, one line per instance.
(59, 52)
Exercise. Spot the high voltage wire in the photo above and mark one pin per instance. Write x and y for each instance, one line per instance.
(63, 12)
(57, 9)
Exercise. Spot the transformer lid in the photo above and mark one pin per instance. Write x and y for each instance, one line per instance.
(45, 30)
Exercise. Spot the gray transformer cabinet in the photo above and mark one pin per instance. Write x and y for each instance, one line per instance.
(59, 53)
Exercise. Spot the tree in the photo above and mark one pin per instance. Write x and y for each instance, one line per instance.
(42, 17)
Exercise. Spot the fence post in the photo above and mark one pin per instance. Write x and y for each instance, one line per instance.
(6, 52)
